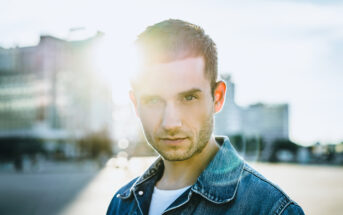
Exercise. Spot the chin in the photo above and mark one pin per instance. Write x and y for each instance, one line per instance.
(175, 156)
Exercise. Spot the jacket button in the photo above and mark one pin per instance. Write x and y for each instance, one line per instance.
(140, 193)
(118, 195)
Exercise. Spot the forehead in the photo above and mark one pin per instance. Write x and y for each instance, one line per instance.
(173, 77)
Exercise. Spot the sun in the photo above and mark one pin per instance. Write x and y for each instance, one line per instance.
(114, 63)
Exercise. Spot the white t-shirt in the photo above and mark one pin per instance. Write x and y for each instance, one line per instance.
(161, 199)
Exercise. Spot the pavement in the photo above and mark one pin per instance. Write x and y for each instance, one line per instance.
(83, 188)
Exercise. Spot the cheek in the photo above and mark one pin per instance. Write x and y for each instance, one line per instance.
(149, 119)
(198, 113)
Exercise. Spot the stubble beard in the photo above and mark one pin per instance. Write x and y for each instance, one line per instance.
(196, 145)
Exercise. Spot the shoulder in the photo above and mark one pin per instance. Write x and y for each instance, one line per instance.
(123, 193)
(258, 190)
(292, 208)
(256, 182)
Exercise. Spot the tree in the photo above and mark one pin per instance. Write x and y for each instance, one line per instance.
(283, 145)
(96, 144)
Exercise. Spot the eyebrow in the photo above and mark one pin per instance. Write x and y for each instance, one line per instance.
(191, 91)
(149, 96)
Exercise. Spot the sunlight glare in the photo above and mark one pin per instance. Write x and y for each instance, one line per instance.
(115, 61)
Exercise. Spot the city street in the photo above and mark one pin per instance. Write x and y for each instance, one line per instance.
(83, 189)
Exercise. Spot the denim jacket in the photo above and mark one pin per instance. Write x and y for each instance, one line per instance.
(228, 185)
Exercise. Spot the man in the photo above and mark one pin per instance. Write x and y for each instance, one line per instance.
(175, 95)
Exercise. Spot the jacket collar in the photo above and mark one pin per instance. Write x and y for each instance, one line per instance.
(217, 183)
(151, 173)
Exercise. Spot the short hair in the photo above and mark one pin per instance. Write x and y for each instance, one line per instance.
(175, 39)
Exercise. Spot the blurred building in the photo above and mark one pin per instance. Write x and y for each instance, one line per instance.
(269, 122)
(52, 92)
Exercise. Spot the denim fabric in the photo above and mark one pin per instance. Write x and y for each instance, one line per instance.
(227, 186)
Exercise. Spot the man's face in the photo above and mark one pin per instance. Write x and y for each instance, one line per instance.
(175, 106)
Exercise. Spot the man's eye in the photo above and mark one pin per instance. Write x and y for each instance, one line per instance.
(153, 100)
(190, 98)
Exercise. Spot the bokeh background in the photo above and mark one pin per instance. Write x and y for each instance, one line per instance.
(69, 138)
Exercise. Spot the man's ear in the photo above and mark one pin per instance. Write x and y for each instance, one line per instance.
(219, 96)
(134, 101)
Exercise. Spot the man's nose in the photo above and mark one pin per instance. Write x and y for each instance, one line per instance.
(171, 118)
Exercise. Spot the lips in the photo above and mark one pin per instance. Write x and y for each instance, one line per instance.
(173, 140)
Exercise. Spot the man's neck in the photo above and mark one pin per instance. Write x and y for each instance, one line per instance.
(178, 174)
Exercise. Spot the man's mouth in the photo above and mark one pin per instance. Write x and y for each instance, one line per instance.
(173, 140)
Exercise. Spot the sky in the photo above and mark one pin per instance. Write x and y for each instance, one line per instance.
(277, 51)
